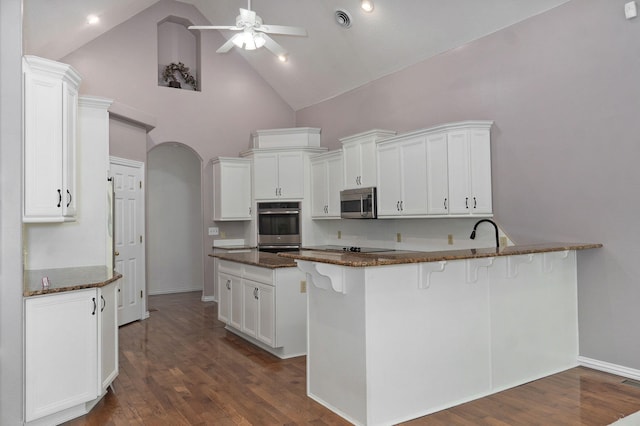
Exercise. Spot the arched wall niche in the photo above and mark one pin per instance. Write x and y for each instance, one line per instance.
(177, 44)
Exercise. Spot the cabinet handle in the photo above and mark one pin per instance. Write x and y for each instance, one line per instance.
(475, 203)
(445, 203)
(228, 284)
(249, 210)
(95, 306)
(401, 206)
(59, 198)
(255, 293)
(68, 198)
(466, 202)
(104, 303)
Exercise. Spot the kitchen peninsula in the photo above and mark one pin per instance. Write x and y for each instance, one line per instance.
(397, 335)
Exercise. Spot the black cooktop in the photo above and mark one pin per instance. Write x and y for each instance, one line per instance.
(352, 249)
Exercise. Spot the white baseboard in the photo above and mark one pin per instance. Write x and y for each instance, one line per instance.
(607, 367)
(208, 298)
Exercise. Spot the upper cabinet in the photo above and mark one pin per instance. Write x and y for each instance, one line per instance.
(50, 116)
(278, 175)
(441, 171)
(326, 183)
(359, 153)
(231, 189)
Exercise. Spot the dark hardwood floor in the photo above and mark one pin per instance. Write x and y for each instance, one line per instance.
(180, 367)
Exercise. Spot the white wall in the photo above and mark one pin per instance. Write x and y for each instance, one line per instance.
(11, 338)
(174, 240)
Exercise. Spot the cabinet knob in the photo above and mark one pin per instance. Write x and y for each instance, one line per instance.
(117, 253)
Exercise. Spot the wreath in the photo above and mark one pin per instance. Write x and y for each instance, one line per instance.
(169, 74)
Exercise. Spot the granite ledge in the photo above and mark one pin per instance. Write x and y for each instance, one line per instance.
(67, 279)
(257, 258)
(360, 260)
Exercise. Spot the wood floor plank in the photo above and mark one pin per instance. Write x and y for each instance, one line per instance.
(181, 367)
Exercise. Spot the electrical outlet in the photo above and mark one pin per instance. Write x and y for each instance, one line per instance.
(339, 234)
(303, 286)
(503, 241)
(213, 230)
(399, 237)
(450, 239)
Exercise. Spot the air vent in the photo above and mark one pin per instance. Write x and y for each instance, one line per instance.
(343, 18)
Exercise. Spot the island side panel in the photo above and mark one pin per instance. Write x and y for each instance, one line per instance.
(534, 318)
(336, 370)
(427, 348)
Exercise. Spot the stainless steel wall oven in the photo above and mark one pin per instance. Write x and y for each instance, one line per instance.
(279, 226)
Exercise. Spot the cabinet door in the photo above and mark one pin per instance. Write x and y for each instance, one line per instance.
(108, 350)
(458, 163)
(319, 191)
(61, 351)
(266, 314)
(69, 131)
(437, 174)
(235, 314)
(265, 179)
(224, 297)
(351, 158)
(389, 182)
(413, 159)
(334, 182)
(232, 187)
(43, 186)
(368, 163)
(249, 308)
(291, 175)
(480, 151)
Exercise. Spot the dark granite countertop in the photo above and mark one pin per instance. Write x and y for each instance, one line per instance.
(257, 258)
(67, 279)
(402, 257)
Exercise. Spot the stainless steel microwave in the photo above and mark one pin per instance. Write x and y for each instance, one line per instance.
(358, 203)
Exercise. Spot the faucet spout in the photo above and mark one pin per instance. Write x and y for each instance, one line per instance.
(473, 233)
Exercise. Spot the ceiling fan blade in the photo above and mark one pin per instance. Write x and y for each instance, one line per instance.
(214, 27)
(228, 45)
(274, 47)
(282, 29)
(248, 16)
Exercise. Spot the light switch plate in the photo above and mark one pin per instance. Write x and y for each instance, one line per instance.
(213, 230)
(630, 10)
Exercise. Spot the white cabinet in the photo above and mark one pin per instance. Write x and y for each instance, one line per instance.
(108, 342)
(258, 319)
(469, 163)
(50, 115)
(61, 352)
(359, 154)
(264, 306)
(278, 175)
(326, 184)
(437, 174)
(231, 189)
(71, 350)
(402, 177)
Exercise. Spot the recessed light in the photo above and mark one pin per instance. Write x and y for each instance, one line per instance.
(283, 57)
(367, 5)
(93, 19)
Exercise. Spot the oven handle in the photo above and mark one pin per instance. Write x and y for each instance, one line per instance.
(277, 247)
(278, 212)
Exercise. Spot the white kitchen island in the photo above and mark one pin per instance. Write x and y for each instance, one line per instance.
(394, 336)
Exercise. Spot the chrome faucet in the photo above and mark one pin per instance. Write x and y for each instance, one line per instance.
(473, 233)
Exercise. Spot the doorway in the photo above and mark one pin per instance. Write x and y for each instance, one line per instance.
(174, 219)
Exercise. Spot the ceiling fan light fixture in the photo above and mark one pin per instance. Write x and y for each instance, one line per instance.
(367, 5)
(283, 57)
(259, 40)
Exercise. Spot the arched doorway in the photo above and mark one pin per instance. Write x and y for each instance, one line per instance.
(174, 219)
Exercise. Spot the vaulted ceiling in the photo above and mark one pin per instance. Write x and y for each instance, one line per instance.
(330, 61)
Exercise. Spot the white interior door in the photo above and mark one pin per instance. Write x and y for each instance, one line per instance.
(129, 248)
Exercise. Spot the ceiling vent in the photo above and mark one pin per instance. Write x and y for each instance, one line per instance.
(343, 18)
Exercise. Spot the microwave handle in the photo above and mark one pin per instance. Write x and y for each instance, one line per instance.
(361, 206)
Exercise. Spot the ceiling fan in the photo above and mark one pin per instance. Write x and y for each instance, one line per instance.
(254, 33)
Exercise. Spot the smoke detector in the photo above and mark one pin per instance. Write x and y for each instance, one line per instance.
(343, 18)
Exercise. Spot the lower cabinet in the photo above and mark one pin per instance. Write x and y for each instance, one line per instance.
(266, 306)
(71, 352)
